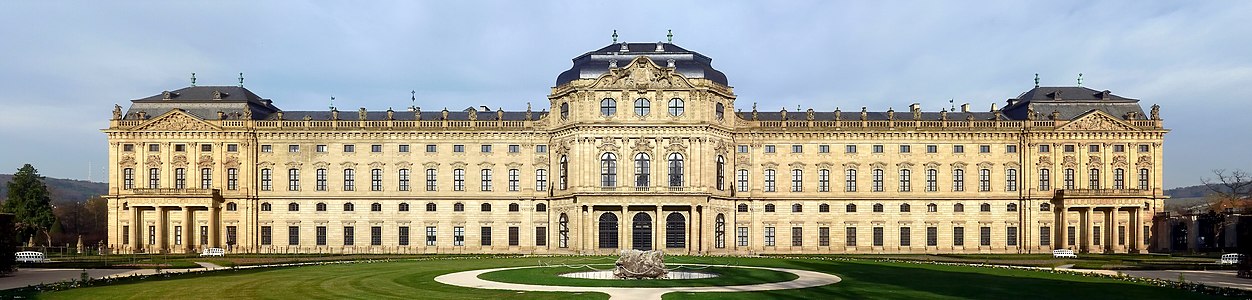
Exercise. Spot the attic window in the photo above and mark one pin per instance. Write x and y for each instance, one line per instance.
(1055, 95)
(167, 95)
(1104, 95)
(218, 95)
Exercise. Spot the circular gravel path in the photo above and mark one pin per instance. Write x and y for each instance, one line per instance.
(470, 279)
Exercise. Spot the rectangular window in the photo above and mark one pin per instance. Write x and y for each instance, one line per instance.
(432, 148)
(320, 178)
(1010, 180)
(1119, 148)
(541, 148)
(178, 235)
(486, 148)
(741, 236)
(541, 236)
(741, 179)
(906, 180)
(515, 235)
(1096, 235)
(321, 235)
(1143, 148)
(1093, 148)
(1010, 237)
(431, 236)
(484, 234)
(823, 180)
(151, 235)
(849, 236)
(797, 236)
(932, 148)
(1119, 178)
(293, 148)
(266, 235)
(1010, 149)
(1093, 179)
(1143, 179)
(1045, 180)
(877, 234)
(797, 180)
(984, 236)
(1069, 179)
(204, 235)
(984, 180)
(126, 234)
(849, 180)
(769, 148)
(932, 236)
(320, 148)
(1045, 236)
(541, 179)
(769, 236)
(404, 235)
(232, 179)
(128, 147)
(515, 148)
(206, 178)
(797, 149)
(769, 180)
(376, 180)
(458, 148)
(1121, 235)
(349, 235)
(1068, 148)
(932, 180)
(376, 148)
(232, 147)
(876, 149)
(1045, 148)
(264, 149)
(458, 180)
(906, 149)
(404, 179)
(458, 236)
(376, 235)
(850, 149)
(154, 178)
(403, 148)
(349, 180)
(486, 180)
(293, 235)
(877, 183)
(267, 179)
(906, 236)
(1071, 235)
(742, 149)
(958, 236)
(823, 236)
(514, 184)
(1147, 236)
(984, 148)
(823, 148)
(293, 179)
(232, 233)
(180, 178)
(180, 148)
(128, 178)
(958, 148)
(431, 180)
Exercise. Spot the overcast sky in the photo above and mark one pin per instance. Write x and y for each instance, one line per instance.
(63, 64)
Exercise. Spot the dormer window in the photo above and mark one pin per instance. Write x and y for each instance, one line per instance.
(720, 111)
(564, 111)
(675, 107)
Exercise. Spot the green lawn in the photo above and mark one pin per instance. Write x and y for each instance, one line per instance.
(414, 280)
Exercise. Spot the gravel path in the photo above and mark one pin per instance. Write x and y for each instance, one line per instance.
(806, 279)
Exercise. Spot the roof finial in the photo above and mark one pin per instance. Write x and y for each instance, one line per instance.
(1036, 79)
(413, 98)
(951, 103)
(332, 102)
(193, 78)
(240, 79)
(670, 35)
(1079, 79)
(615, 36)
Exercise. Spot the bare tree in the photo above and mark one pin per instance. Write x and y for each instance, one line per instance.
(1232, 193)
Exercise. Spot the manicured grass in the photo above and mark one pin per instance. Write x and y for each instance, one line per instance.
(414, 280)
(550, 276)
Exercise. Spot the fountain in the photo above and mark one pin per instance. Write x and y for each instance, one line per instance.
(635, 264)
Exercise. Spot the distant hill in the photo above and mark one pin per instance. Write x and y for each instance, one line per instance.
(1189, 196)
(63, 190)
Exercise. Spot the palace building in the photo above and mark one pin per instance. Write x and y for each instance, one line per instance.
(642, 148)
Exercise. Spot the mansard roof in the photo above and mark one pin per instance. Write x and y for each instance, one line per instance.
(1070, 102)
(690, 64)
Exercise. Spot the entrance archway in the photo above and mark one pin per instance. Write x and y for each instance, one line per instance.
(641, 232)
(608, 231)
(675, 231)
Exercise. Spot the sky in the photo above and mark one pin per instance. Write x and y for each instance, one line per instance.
(64, 64)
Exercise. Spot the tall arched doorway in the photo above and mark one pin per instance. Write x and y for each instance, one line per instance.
(641, 232)
(608, 231)
(675, 231)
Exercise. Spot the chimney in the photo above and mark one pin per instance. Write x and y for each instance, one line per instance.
(915, 107)
(660, 47)
(993, 107)
(1011, 102)
(964, 107)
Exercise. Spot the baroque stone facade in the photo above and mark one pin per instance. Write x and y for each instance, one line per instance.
(640, 151)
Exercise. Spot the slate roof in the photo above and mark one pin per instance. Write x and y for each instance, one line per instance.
(870, 116)
(404, 115)
(1070, 102)
(199, 101)
(592, 64)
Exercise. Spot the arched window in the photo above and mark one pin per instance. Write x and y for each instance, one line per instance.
(608, 231)
(643, 169)
(932, 207)
(675, 231)
(562, 231)
(231, 206)
(293, 206)
(458, 206)
(541, 207)
(1011, 207)
(958, 207)
(904, 207)
(641, 232)
(642, 106)
(877, 207)
(675, 169)
(985, 207)
(564, 111)
(348, 207)
(404, 207)
(430, 206)
(850, 208)
(485, 207)
(719, 110)
(564, 172)
(823, 207)
(675, 107)
(321, 207)
(514, 207)
(1045, 206)
(742, 208)
(721, 173)
(795, 208)
(376, 206)
(769, 208)
(608, 170)
(608, 107)
(719, 231)
(265, 206)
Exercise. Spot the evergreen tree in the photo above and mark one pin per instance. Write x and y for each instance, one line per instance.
(30, 203)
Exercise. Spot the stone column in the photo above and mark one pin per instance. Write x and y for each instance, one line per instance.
(1193, 233)
(188, 237)
(623, 229)
(214, 227)
(658, 230)
(1084, 229)
(585, 233)
(162, 229)
(136, 229)
(1134, 244)
(1110, 217)
(1060, 228)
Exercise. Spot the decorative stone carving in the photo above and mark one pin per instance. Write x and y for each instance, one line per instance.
(458, 165)
(127, 161)
(635, 264)
(608, 146)
(864, 114)
(117, 112)
(809, 114)
(1156, 112)
(1069, 161)
(177, 120)
(642, 145)
(541, 160)
(1120, 161)
(180, 160)
(205, 161)
(153, 161)
(1096, 121)
(231, 162)
(361, 114)
(321, 165)
(641, 73)
(1044, 161)
(1094, 161)
(473, 114)
(1144, 161)
(431, 165)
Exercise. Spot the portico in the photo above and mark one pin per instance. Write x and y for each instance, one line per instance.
(152, 231)
(1120, 212)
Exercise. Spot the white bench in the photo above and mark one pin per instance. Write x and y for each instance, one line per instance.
(31, 257)
(1230, 259)
(213, 252)
(1063, 253)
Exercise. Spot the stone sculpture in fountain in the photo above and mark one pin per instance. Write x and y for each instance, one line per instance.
(635, 264)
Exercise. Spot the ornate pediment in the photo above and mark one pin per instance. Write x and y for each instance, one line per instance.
(958, 165)
(205, 161)
(541, 160)
(878, 165)
(177, 120)
(985, 165)
(608, 146)
(641, 73)
(770, 165)
(1094, 161)
(458, 165)
(1069, 161)
(179, 160)
(153, 161)
(321, 165)
(1012, 165)
(377, 165)
(486, 165)
(513, 165)
(348, 165)
(1096, 121)
(431, 165)
(1044, 161)
(1144, 161)
(404, 165)
(676, 147)
(1120, 161)
(796, 165)
(932, 165)
(127, 161)
(231, 161)
(642, 145)
(851, 165)
(294, 164)
(905, 165)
